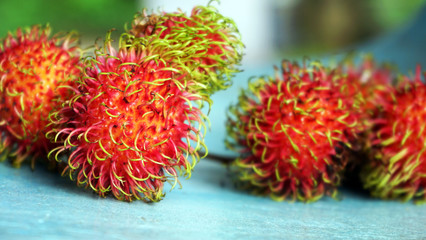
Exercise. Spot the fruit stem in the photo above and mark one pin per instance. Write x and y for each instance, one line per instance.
(219, 158)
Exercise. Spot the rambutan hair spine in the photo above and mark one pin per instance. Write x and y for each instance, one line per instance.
(396, 167)
(293, 132)
(131, 126)
(374, 82)
(212, 41)
(36, 72)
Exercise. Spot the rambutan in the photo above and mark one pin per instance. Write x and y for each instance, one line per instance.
(213, 42)
(397, 165)
(131, 125)
(35, 73)
(293, 132)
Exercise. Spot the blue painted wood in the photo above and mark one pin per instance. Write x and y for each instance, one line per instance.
(41, 205)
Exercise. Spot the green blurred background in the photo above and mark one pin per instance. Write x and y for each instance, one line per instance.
(300, 26)
(92, 18)
(324, 25)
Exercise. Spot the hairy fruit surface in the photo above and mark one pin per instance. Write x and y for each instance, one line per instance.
(292, 132)
(397, 165)
(371, 84)
(212, 39)
(131, 125)
(35, 73)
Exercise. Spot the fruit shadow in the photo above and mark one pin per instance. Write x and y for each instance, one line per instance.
(215, 174)
(50, 178)
(353, 186)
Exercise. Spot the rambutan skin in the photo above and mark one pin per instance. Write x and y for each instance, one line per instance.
(370, 82)
(213, 39)
(130, 125)
(371, 85)
(36, 72)
(292, 133)
(397, 165)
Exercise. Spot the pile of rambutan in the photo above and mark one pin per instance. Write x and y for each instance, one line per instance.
(128, 119)
(300, 133)
(131, 119)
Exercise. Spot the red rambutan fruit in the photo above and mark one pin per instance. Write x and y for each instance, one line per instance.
(131, 125)
(397, 165)
(35, 71)
(213, 42)
(293, 132)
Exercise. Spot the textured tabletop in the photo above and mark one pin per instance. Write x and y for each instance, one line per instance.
(42, 205)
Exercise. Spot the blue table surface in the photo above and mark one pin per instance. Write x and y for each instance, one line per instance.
(42, 205)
